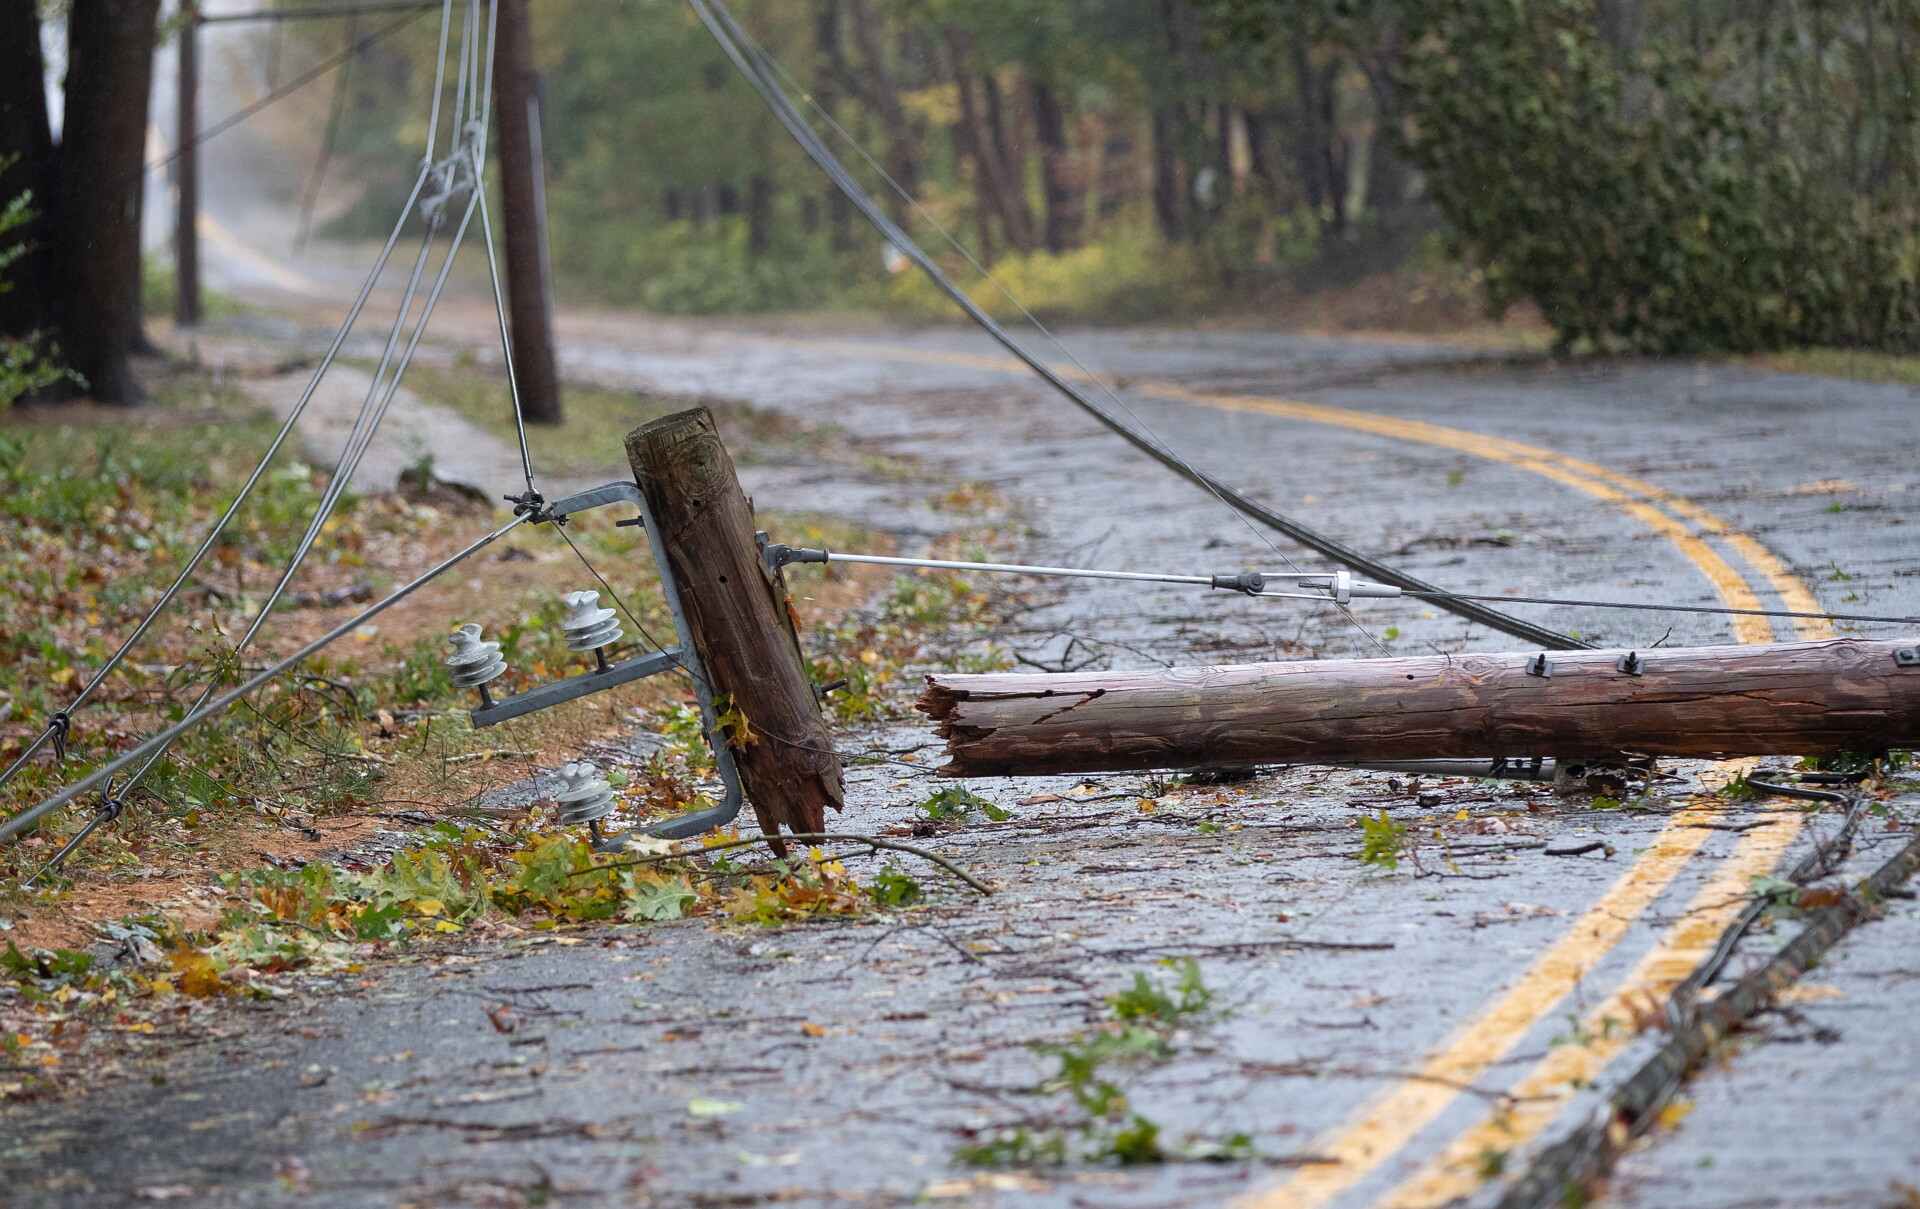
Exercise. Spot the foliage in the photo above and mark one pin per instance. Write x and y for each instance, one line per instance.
(958, 803)
(24, 368)
(1383, 842)
(892, 888)
(1098, 1122)
(1130, 275)
(1644, 203)
(1153, 1001)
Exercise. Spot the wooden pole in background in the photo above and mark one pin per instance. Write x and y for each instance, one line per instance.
(737, 613)
(186, 211)
(523, 215)
(1801, 699)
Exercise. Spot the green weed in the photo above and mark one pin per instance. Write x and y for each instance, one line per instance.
(1383, 842)
(957, 803)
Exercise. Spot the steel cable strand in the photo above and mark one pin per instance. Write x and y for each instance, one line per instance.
(350, 460)
(63, 718)
(358, 441)
(765, 58)
(281, 93)
(59, 725)
(766, 65)
(824, 158)
(200, 713)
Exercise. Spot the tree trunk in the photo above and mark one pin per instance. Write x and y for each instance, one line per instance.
(996, 180)
(902, 155)
(826, 42)
(739, 617)
(186, 166)
(1062, 193)
(759, 215)
(1804, 699)
(109, 75)
(523, 218)
(1169, 189)
(1323, 167)
(26, 138)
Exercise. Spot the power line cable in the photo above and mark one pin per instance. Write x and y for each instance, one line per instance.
(58, 725)
(281, 93)
(357, 445)
(768, 62)
(27, 818)
(722, 26)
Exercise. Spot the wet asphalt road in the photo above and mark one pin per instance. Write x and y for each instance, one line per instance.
(1367, 1022)
(862, 1057)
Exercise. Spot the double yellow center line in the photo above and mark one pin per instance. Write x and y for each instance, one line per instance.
(1379, 1129)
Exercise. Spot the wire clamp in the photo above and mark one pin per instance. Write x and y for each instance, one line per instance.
(1906, 656)
(111, 804)
(61, 724)
(1631, 663)
(531, 505)
(1250, 582)
(1539, 666)
(780, 555)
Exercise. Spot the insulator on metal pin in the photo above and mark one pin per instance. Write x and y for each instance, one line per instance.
(589, 627)
(587, 797)
(473, 662)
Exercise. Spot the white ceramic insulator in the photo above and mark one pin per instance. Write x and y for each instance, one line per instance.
(586, 797)
(473, 662)
(589, 627)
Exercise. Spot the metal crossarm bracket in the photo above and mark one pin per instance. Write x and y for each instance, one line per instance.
(577, 686)
(681, 655)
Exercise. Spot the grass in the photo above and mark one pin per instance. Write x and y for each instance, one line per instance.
(1854, 364)
(596, 419)
(98, 510)
(100, 507)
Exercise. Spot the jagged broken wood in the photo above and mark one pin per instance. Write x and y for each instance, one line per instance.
(736, 611)
(1803, 698)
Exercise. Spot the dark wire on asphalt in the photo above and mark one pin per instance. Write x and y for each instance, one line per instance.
(1666, 608)
(1251, 585)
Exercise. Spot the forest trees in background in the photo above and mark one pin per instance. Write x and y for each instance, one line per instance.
(1112, 156)
(72, 255)
(1651, 174)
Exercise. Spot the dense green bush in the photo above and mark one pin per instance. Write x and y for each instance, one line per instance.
(1644, 204)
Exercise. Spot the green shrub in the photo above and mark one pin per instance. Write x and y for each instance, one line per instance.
(1122, 277)
(1645, 201)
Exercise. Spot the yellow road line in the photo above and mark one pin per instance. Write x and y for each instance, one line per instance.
(1388, 1121)
(1394, 1117)
(1539, 1095)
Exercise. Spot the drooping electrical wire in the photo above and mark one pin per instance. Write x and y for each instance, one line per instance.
(457, 172)
(733, 42)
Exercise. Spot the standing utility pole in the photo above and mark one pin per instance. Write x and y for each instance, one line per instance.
(523, 216)
(186, 210)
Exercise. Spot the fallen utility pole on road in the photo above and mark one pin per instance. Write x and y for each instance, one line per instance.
(1803, 698)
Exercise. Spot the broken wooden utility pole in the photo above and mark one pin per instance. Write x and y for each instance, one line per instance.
(736, 612)
(523, 216)
(1803, 699)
